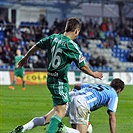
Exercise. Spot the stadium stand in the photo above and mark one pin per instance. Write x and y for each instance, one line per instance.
(115, 54)
(110, 42)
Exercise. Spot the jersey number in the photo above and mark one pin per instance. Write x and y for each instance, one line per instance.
(100, 88)
(56, 60)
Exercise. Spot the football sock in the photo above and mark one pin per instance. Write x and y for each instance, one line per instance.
(13, 82)
(23, 84)
(71, 130)
(53, 126)
(37, 121)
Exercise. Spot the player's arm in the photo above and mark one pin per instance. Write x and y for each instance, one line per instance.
(80, 63)
(79, 86)
(31, 51)
(88, 71)
(111, 109)
(112, 121)
(27, 55)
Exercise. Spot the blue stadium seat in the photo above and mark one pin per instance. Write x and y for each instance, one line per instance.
(29, 24)
(124, 38)
(1, 42)
(23, 43)
(129, 69)
(101, 46)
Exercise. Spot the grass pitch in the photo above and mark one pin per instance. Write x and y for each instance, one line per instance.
(17, 107)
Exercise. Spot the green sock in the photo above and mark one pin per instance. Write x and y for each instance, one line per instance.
(53, 126)
(23, 84)
(13, 82)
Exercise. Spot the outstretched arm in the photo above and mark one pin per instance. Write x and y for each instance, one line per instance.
(27, 55)
(88, 71)
(112, 121)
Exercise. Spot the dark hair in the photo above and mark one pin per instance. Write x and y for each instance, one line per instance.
(72, 24)
(117, 84)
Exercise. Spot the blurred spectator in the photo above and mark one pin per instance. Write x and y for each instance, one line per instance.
(106, 43)
(102, 35)
(117, 39)
(101, 61)
(24, 37)
(6, 46)
(42, 20)
(14, 38)
(35, 61)
(18, 34)
(38, 33)
(8, 35)
(111, 41)
(1, 53)
(130, 56)
(97, 60)
(91, 33)
(7, 58)
(104, 26)
(56, 22)
(93, 59)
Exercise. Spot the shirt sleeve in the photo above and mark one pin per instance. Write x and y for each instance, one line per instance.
(84, 85)
(112, 104)
(44, 43)
(76, 55)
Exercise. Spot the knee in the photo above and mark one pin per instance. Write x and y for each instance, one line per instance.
(60, 110)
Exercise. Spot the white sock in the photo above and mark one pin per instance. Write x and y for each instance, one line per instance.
(28, 126)
(71, 130)
(37, 121)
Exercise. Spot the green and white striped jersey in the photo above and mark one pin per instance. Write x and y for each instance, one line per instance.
(61, 52)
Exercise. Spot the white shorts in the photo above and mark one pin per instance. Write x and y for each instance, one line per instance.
(78, 111)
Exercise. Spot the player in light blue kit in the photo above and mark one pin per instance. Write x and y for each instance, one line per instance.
(90, 97)
(85, 98)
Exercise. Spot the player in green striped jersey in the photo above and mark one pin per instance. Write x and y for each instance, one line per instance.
(62, 50)
(18, 72)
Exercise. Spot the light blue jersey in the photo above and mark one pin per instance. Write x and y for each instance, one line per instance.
(98, 95)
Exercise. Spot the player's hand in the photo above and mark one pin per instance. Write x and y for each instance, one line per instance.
(22, 62)
(98, 75)
(77, 86)
(16, 66)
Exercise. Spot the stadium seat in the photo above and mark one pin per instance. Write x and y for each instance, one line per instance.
(23, 43)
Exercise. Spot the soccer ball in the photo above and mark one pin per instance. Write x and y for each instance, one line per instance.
(89, 129)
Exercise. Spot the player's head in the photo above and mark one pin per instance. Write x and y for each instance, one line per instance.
(117, 84)
(18, 52)
(73, 25)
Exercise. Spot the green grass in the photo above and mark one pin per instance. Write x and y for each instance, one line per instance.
(18, 107)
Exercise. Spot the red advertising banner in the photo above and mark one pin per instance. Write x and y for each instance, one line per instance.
(31, 78)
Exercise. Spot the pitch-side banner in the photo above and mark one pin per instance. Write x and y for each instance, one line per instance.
(6, 78)
(80, 77)
(31, 78)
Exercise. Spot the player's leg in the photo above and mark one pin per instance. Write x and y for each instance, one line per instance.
(14, 79)
(64, 129)
(60, 97)
(71, 130)
(56, 118)
(78, 114)
(13, 83)
(41, 121)
(82, 128)
(21, 74)
(23, 84)
(37, 121)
